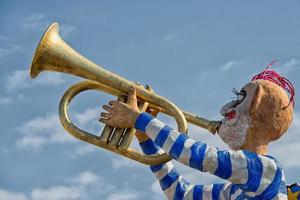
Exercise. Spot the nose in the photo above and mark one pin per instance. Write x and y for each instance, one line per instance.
(226, 108)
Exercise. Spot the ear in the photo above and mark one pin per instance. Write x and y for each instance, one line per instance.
(259, 93)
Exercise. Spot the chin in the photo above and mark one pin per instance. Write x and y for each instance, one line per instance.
(233, 134)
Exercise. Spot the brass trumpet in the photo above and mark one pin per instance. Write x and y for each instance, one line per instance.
(53, 54)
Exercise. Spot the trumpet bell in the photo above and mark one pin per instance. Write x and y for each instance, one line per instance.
(41, 52)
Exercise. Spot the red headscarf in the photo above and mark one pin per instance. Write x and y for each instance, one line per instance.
(274, 77)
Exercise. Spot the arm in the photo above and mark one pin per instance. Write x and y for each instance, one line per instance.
(251, 171)
(174, 185)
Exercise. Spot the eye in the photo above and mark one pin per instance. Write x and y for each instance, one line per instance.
(239, 95)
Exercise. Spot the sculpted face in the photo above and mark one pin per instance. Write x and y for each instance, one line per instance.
(237, 120)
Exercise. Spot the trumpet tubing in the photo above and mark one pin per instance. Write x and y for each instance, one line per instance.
(53, 54)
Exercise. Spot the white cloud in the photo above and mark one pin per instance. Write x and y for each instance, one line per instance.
(169, 37)
(4, 150)
(41, 131)
(66, 30)
(31, 142)
(2, 38)
(56, 193)
(124, 195)
(17, 80)
(87, 115)
(156, 189)
(229, 65)
(219, 71)
(291, 63)
(20, 79)
(120, 162)
(84, 149)
(39, 22)
(86, 178)
(85, 186)
(287, 67)
(8, 48)
(46, 130)
(5, 100)
(11, 195)
(78, 189)
(178, 34)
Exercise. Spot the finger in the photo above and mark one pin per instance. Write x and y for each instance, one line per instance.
(113, 102)
(108, 108)
(153, 111)
(105, 121)
(142, 137)
(105, 115)
(148, 87)
(137, 83)
(132, 96)
(123, 98)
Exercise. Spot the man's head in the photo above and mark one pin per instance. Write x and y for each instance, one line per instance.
(262, 113)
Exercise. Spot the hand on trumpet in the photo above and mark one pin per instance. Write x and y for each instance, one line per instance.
(119, 114)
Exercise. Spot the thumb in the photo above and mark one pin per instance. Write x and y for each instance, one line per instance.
(132, 96)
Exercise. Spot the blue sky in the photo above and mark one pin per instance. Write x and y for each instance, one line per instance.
(191, 52)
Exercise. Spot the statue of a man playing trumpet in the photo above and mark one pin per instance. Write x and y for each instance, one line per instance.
(261, 113)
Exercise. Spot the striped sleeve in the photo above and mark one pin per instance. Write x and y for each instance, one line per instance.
(175, 186)
(253, 173)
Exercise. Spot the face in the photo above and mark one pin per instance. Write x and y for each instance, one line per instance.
(237, 120)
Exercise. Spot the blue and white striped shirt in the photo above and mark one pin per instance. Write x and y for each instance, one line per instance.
(249, 175)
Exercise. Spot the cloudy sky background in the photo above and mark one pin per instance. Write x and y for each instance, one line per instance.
(194, 53)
